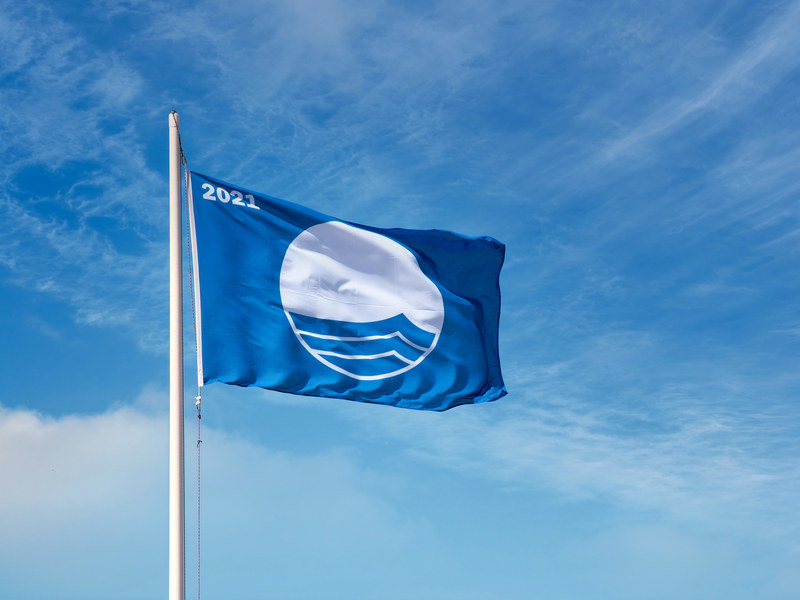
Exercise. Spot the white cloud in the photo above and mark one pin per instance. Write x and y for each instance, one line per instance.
(85, 504)
(82, 495)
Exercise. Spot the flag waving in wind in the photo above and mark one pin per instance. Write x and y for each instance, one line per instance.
(292, 300)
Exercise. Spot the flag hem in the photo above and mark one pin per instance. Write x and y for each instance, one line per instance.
(198, 330)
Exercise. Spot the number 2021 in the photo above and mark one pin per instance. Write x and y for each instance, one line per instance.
(224, 196)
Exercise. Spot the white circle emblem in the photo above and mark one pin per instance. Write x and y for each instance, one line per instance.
(358, 301)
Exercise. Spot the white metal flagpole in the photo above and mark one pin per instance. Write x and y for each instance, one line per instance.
(176, 481)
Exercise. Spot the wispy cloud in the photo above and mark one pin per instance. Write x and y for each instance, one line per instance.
(104, 286)
(624, 423)
(769, 55)
(66, 114)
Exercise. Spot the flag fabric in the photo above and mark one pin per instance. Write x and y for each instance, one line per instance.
(293, 300)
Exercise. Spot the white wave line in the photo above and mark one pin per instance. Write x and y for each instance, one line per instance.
(366, 356)
(365, 338)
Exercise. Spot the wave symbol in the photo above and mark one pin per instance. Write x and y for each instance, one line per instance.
(364, 351)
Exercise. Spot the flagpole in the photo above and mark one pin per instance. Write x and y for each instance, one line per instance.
(176, 476)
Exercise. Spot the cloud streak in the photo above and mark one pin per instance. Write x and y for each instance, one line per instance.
(95, 239)
(696, 442)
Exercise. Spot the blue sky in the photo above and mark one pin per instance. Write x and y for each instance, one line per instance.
(638, 159)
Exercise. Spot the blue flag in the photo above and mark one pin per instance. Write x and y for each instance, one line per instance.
(292, 300)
